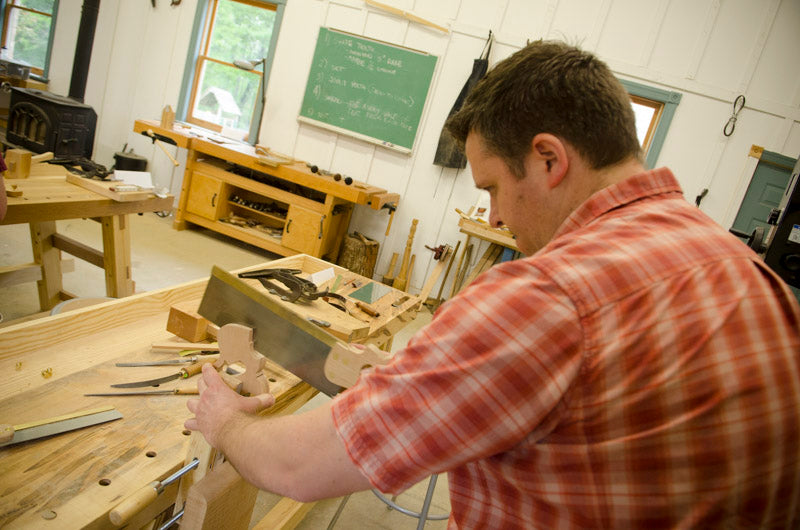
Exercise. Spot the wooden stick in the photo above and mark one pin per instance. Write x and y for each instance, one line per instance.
(462, 270)
(447, 273)
(407, 15)
(151, 134)
(401, 280)
(485, 263)
(435, 273)
(388, 278)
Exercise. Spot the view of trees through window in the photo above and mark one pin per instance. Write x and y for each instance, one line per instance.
(224, 95)
(26, 31)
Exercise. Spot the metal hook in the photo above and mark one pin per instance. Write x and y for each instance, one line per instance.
(738, 105)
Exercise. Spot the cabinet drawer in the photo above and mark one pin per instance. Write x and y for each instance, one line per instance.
(303, 230)
(207, 196)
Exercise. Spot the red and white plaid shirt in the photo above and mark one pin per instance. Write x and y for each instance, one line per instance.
(641, 371)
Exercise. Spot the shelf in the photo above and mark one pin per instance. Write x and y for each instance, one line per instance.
(271, 216)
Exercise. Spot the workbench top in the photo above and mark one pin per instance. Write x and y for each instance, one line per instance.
(50, 198)
(74, 479)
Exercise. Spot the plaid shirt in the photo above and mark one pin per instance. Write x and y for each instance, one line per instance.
(640, 371)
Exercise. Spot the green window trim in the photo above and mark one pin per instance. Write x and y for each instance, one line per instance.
(670, 100)
(195, 45)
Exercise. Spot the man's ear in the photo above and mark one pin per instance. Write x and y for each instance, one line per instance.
(550, 151)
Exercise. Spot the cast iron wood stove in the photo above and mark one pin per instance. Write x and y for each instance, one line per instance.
(42, 121)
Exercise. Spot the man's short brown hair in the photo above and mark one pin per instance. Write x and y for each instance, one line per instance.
(555, 88)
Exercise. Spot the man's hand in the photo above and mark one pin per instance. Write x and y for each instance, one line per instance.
(219, 408)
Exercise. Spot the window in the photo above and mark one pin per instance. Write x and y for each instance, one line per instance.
(217, 94)
(654, 109)
(28, 27)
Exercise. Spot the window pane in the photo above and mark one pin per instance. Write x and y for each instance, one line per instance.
(28, 34)
(644, 116)
(241, 32)
(45, 6)
(226, 95)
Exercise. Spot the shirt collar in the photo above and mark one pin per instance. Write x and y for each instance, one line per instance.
(641, 185)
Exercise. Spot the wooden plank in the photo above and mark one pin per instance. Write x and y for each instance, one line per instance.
(285, 515)
(104, 188)
(78, 249)
(487, 233)
(14, 274)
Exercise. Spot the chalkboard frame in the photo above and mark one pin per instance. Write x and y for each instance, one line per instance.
(406, 147)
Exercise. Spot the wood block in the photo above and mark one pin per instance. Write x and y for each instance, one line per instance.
(221, 499)
(184, 322)
(19, 163)
(167, 117)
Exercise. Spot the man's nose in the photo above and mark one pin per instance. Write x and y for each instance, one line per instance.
(494, 218)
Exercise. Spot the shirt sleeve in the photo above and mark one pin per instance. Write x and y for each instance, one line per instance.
(491, 369)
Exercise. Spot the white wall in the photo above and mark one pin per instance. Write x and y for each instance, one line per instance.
(709, 50)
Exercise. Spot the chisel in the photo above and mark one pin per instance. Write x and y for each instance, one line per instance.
(183, 374)
(174, 391)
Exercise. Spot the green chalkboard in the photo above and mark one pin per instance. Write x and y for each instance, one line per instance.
(368, 89)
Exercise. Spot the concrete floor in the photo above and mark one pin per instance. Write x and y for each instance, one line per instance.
(162, 257)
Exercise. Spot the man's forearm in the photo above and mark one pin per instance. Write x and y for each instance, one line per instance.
(297, 456)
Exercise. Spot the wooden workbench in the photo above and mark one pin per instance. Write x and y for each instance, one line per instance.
(74, 479)
(273, 203)
(47, 199)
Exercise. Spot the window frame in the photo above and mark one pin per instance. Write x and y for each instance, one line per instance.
(197, 57)
(6, 6)
(665, 102)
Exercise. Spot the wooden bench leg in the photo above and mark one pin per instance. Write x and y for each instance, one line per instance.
(117, 256)
(48, 258)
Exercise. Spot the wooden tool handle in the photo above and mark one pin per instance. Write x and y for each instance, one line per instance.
(196, 368)
(133, 504)
(345, 362)
(43, 157)
(188, 391)
(6, 433)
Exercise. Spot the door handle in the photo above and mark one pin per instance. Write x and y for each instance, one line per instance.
(321, 220)
(213, 200)
(288, 225)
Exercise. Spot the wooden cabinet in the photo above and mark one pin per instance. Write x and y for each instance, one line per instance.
(281, 207)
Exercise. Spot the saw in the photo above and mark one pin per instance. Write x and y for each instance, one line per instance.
(286, 338)
(14, 434)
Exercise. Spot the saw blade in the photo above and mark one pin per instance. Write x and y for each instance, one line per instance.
(278, 334)
(70, 422)
(149, 382)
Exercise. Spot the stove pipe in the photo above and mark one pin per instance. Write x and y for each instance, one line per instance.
(83, 49)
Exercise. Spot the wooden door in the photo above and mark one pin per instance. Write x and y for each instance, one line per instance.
(206, 196)
(303, 230)
(764, 193)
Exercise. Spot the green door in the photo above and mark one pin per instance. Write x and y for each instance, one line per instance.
(764, 193)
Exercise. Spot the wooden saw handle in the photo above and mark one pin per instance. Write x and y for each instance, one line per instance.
(345, 362)
(6, 433)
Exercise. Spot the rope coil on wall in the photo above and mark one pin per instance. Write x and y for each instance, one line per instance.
(738, 105)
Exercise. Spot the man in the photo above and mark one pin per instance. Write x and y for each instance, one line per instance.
(639, 369)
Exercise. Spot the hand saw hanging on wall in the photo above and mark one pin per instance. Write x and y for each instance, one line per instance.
(297, 345)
